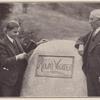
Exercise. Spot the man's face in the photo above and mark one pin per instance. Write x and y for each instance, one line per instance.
(94, 22)
(14, 32)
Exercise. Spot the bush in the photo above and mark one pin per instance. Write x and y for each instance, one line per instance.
(5, 10)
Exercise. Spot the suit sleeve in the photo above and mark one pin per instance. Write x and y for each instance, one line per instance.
(82, 40)
(5, 60)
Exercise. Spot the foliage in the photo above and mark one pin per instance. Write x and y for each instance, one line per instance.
(5, 9)
(53, 20)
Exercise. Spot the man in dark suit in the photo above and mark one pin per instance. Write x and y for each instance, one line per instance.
(13, 60)
(89, 48)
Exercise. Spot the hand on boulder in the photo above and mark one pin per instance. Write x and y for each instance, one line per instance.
(42, 41)
(81, 50)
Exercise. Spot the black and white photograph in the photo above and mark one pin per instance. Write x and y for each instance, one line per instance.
(50, 49)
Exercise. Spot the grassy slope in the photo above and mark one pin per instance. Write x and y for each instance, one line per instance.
(51, 24)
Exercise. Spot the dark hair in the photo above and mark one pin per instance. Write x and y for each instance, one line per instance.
(11, 25)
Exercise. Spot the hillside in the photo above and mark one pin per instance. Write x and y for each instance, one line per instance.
(44, 21)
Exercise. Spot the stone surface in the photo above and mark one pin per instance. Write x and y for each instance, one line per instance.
(55, 70)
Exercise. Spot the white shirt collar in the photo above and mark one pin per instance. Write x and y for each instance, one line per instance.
(97, 30)
(10, 38)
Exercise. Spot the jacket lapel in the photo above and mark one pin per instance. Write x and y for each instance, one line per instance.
(9, 45)
(88, 40)
(19, 45)
(96, 41)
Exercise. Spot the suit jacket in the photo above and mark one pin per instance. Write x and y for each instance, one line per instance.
(10, 68)
(91, 56)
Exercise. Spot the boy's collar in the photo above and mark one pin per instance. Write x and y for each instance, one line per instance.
(11, 40)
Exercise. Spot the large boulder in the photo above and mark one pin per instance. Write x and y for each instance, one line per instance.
(55, 70)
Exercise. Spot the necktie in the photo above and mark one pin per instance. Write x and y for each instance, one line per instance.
(93, 35)
(16, 48)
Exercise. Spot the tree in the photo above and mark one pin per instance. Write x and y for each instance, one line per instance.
(25, 6)
(5, 9)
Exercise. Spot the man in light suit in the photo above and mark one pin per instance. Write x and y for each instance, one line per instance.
(13, 60)
(89, 48)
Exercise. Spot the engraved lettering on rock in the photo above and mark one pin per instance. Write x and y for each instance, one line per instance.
(55, 66)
